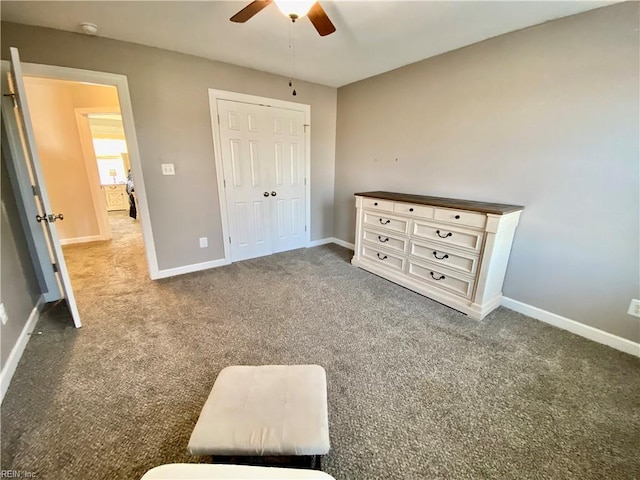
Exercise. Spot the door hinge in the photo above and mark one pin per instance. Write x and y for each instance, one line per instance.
(218, 119)
(224, 182)
(55, 267)
(305, 228)
(305, 125)
(305, 181)
(229, 239)
(35, 190)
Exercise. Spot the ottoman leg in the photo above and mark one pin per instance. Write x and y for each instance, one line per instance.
(317, 462)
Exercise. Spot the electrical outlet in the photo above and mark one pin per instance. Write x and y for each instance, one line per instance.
(168, 169)
(634, 308)
(204, 242)
(3, 314)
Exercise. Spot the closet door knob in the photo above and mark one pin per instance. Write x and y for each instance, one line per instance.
(273, 194)
(266, 194)
(457, 217)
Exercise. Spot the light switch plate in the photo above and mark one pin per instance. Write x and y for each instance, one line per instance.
(634, 308)
(168, 169)
(204, 242)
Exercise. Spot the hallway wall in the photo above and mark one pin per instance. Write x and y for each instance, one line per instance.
(52, 104)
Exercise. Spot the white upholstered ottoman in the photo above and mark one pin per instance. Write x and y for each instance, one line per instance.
(201, 471)
(270, 410)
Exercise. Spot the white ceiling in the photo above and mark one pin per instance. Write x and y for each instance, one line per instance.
(372, 37)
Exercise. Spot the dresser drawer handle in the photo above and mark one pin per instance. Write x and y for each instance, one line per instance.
(375, 204)
(383, 240)
(385, 222)
(434, 277)
(440, 258)
(444, 236)
(411, 209)
(457, 217)
(381, 258)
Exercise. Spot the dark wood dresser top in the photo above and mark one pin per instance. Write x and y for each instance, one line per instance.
(484, 207)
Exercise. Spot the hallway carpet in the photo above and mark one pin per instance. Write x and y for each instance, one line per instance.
(416, 390)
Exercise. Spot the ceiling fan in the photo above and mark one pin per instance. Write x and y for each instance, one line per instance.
(293, 10)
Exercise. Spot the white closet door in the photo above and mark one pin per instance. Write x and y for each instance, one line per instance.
(244, 135)
(263, 159)
(288, 205)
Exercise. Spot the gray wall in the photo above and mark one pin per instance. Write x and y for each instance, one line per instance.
(548, 118)
(19, 291)
(169, 93)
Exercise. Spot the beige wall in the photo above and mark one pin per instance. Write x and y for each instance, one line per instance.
(52, 105)
(548, 118)
(169, 93)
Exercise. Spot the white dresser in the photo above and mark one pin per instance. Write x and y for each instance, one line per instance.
(116, 196)
(453, 251)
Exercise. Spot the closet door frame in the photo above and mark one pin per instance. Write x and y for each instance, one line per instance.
(214, 96)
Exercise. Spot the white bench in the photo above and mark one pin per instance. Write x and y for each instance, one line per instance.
(265, 411)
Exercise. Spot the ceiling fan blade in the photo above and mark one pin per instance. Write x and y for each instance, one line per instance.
(320, 20)
(249, 11)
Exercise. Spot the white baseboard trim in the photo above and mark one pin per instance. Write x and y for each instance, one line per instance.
(572, 326)
(317, 243)
(344, 244)
(196, 267)
(337, 241)
(16, 353)
(92, 238)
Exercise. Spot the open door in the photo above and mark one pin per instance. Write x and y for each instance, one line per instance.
(45, 214)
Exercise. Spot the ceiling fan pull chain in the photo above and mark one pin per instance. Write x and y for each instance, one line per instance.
(292, 47)
(294, 57)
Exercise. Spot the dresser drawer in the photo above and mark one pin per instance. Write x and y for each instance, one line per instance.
(442, 278)
(380, 220)
(461, 217)
(465, 263)
(446, 235)
(377, 204)
(421, 211)
(384, 240)
(383, 258)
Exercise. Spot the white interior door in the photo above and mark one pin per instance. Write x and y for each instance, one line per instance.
(263, 163)
(245, 152)
(288, 204)
(46, 216)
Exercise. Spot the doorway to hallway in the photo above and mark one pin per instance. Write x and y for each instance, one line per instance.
(87, 173)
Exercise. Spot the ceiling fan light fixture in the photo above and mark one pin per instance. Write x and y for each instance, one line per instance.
(294, 9)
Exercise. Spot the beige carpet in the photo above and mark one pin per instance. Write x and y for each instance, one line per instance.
(108, 269)
(416, 390)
